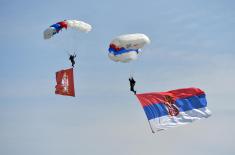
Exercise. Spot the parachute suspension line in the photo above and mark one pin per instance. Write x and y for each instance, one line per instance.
(131, 69)
(74, 38)
(132, 66)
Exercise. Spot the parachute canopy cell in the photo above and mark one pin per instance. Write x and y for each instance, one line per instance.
(126, 48)
(56, 28)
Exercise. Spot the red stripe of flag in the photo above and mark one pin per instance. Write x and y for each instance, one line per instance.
(160, 97)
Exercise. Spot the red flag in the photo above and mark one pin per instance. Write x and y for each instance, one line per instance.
(65, 82)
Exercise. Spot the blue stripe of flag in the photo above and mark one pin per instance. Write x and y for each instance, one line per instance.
(185, 104)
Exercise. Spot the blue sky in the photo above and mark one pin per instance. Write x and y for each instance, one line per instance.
(192, 44)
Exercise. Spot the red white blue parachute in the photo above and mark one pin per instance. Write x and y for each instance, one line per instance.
(126, 47)
(56, 28)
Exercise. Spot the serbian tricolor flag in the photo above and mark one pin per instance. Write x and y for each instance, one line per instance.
(65, 82)
(174, 108)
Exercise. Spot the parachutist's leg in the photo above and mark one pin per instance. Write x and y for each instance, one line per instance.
(131, 89)
(73, 63)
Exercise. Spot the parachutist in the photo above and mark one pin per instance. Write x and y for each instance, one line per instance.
(71, 58)
(132, 84)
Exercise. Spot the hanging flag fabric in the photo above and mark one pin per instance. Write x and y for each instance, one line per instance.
(65, 82)
(174, 108)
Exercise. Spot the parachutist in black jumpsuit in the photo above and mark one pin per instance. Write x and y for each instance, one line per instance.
(132, 85)
(71, 58)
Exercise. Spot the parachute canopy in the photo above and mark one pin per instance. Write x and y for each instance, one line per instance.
(125, 48)
(55, 28)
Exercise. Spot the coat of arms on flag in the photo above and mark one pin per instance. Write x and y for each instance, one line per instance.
(65, 82)
(174, 108)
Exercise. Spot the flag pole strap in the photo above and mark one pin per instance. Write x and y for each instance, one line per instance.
(151, 127)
